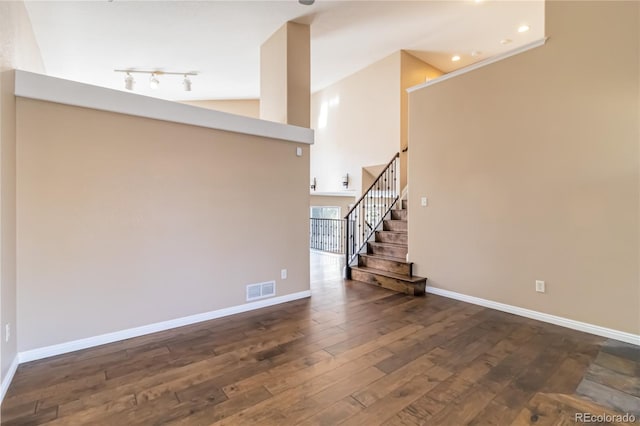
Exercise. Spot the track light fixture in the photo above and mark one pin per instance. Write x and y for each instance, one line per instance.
(154, 78)
(154, 83)
(129, 82)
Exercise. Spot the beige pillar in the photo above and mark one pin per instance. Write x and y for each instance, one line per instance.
(413, 71)
(285, 88)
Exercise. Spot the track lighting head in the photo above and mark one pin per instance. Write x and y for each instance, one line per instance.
(129, 82)
(154, 83)
(154, 75)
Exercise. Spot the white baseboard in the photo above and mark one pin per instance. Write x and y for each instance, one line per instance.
(75, 345)
(634, 339)
(6, 381)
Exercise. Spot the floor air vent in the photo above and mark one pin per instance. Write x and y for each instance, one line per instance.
(261, 290)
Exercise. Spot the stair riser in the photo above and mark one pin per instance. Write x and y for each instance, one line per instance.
(399, 214)
(392, 251)
(404, 204)
(415, 289)
(391, 237)
(385, 265)
(394, 225)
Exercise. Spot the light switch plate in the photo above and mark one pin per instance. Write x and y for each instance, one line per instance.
(423, 201)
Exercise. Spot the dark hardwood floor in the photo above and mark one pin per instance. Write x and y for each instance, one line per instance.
(353, 354)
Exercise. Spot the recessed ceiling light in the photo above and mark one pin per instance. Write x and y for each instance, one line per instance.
(478, 1)
(306, 2)
(505, 41)
(476, 53)
(455, 58)
(523, 28)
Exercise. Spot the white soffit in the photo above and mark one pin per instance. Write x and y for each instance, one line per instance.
(52, 89)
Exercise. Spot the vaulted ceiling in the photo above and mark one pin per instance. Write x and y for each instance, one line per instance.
(87, 40)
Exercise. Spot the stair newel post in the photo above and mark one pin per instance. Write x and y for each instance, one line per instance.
(363, 221)
(376, 208)
(383, 202)
(383, 191)
(347, 270)
(396, 182)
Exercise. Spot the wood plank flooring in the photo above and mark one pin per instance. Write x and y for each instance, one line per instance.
(353, 354)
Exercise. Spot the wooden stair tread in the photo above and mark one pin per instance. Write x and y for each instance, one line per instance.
(378, 243)
(405, 278)
(394, 232)
(379, 256)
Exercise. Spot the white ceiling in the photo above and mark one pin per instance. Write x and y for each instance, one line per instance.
(86, 40)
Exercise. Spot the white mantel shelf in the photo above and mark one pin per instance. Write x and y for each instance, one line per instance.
(51, 89)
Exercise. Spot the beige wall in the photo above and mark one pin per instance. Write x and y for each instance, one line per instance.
(126, 221)
(273, 77)
(245, 107)
(285, 75)
(357, 124)
(413, 71)
(18, 49)
(531, 166)
(366, 121)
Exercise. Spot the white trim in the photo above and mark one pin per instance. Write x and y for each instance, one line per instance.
(6, 381)
(52, 89)
(334, 194)
(634, 339)
(480, 64)
(75, 345)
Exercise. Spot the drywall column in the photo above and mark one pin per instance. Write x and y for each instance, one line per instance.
(413, 71)
(285, 90)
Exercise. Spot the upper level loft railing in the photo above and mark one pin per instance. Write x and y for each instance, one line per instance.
(327, 234)
(367, 214)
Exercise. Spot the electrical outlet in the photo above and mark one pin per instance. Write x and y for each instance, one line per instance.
(7, 332)
(540, 286)
(283, 274)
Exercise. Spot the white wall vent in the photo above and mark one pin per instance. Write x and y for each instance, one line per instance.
(261, 290)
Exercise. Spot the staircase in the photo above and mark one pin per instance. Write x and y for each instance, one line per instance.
(376, 241)
(384, 263)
